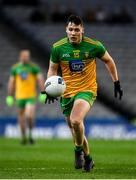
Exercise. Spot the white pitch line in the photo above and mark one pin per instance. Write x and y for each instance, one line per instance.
(54, 168)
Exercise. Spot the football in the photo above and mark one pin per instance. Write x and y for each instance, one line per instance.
(55, 86)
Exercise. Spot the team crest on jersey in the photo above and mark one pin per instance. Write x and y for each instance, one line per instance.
(86, 54)
(23, 75)
(76, 53)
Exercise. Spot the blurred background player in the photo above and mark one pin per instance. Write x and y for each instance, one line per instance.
(23, 81)
(76, 55)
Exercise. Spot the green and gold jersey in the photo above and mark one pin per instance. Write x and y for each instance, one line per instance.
(78, 64)
(25, 79)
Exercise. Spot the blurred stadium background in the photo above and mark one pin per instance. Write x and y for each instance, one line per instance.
(36, 24)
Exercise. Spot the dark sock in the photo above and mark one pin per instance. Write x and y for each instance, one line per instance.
(78, 148)
(24, 137)
(30, 134)
(24, 140)
(88, 158)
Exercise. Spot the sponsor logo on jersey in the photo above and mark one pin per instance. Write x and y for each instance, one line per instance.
(76, 65)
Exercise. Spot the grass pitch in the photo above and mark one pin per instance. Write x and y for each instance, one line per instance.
(53, 159)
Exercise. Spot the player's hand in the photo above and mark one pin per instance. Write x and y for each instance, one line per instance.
(48, 98)
(9, 100)
(118, 90)
(42, 97)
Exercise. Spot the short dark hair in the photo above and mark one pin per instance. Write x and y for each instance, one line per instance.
(75, 19)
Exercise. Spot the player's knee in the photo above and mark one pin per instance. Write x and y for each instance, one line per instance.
(75, 121)
(29, 114)
(30, 118)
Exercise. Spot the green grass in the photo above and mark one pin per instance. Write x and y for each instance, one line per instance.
(53, 159)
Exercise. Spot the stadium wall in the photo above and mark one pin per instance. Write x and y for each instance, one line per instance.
(47, 128)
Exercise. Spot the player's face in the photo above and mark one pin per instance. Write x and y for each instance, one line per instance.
(24, 56)
(74, 33)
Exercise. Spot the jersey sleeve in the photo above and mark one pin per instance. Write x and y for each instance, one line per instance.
(54, 57)
(100, 50)
(36, 69)
(12, 71)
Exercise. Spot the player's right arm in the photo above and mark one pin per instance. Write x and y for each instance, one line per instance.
(53, 69)
(11, 89)
(54, 62)
(11, 85)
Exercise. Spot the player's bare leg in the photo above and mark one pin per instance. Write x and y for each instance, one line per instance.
(22, 123)
(29, 114)
(85, 142)
(79, 157)
(78, 113)
(86, 147)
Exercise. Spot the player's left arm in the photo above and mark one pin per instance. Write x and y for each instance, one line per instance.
(40, 81)
(111, 67)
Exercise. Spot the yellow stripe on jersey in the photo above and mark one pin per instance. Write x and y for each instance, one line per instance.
(15, 65)
(61, 42)
(84, 60)
(91, 41)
